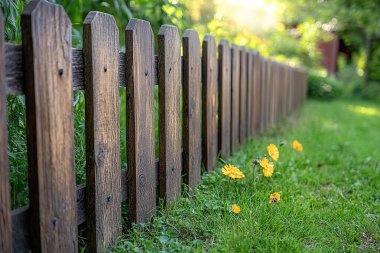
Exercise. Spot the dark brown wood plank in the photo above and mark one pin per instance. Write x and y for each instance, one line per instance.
(5, 206)
(169, 95)
(272, 98)
(191, 96)
(140, 121)
(249, 92)
(224, 98)
(101, 51)
(46, 32)
(256, 94)
(263, 93)
(235, 97)
(21, 221)
(243, 96)
(209, 96)
(267, 94)
(15, 76)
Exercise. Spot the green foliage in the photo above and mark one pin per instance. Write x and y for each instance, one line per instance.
(369, 92)
(355, 22)
(325, 88)
(328, 192)
(12, 10)
(375, 64)
(17, 150)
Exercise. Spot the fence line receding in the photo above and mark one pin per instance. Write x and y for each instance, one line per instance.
(227, 94)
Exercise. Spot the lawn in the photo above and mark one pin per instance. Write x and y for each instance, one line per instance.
(330, 193)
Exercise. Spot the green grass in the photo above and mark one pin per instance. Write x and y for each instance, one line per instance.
(330, 192)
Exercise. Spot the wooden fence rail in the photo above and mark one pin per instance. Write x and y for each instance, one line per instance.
(229, 94)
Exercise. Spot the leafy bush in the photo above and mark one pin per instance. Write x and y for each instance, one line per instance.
(369, 92)
(325, 88)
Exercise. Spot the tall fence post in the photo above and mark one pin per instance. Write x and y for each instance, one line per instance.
(5, 203)
(243, 96)
(256, 94)
(235, 95)
(169, 92)
(140, 121)
(224, 98)
(191, 91)
(103, 185)
(250, 87)
(263, 94)
(46, 32)
(209, 96)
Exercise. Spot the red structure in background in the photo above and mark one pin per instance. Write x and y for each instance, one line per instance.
(329, 51)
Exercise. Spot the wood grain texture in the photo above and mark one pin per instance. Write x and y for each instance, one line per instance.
(191, 96)
(101, 51)
(15, 76)
(169, 96)
(267, 94)
(249, 92)
(21, 216)
(262, 94)
(5, 206)
(235, 97)
(272, 92)
(140, 121)
(224, 98)
(209, 96)
(257, 93)
(46, 32)
(243, 96)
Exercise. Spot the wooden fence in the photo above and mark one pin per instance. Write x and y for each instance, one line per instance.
(226, 100)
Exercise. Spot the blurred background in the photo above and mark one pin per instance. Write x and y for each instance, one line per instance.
(337, 41)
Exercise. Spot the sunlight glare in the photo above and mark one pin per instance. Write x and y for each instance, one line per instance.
(370, 111)
(254, 15)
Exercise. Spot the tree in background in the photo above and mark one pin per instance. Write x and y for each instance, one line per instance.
(357, 23)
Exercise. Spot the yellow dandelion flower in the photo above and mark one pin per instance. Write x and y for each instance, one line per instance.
(273, 152)
(232, 172)
(264, 162)
(235, 208)
(297, 146)
(268, 171)
(268, 167)
(275, 198)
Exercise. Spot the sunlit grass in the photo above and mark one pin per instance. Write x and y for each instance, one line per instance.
(329, 193)
(370, 111)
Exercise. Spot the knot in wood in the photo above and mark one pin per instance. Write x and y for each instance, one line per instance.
(100, 156)
(55, 221)
(60, 72)
(142, 180)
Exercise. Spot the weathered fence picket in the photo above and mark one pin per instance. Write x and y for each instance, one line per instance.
(235, 94)
(140, 121)
(46, 32)
(263, 98)
(103, 188)
(243, 97)
(169, 96)
(224, 96)
(209, 96)
(257, 94)
(5, 203)
(191, 95)
(250, 87)
(238, 95)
